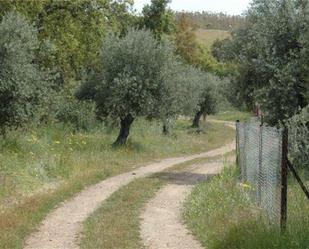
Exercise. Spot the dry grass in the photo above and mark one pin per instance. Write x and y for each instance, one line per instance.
(208, 36)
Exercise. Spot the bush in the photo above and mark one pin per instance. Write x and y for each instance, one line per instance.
(298, 127)
(23, 85)
(79, 114)
(272, 53)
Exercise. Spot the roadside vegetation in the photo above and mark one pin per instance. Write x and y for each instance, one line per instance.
(238, 223)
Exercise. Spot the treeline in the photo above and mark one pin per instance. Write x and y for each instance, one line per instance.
(210, 20)
(84, 62)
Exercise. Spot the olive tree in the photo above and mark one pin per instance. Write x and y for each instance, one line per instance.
(23, 85)
(208, 97)
(183, 84)
(132, 80)
(272, 52)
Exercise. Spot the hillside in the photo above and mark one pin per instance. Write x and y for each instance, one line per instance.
(209, 36)
(210, 20)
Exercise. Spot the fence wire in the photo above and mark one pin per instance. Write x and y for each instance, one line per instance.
(259, 151)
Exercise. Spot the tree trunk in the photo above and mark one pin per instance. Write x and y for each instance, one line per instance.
(124, 132)
(204, 117)
(165, 129)
(196, 120)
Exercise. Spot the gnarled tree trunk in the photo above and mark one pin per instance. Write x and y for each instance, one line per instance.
(196, 120)
(165, 129)
(204, 117)
(125, 124)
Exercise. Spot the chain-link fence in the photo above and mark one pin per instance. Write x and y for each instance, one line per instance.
(259, 156)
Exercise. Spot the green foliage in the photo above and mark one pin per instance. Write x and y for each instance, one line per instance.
(272, 50)
(157, 18)
(185, 40)
(298, 127)
(209, 96)
(75, 28)
(139, 77)
(183, 83)
(194, 53)
(23, 85)
(130, 80)
(80, 115)
(223, 50)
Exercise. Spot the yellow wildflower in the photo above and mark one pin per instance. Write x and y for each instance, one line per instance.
(245, 185)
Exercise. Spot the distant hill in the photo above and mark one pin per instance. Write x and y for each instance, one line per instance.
(210, 20)
(209, 36)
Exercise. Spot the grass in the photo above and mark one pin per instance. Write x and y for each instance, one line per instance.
(237, 224)
(41, 168)
(116, 223)
(118, 217)
(232, 115)
(209, 36)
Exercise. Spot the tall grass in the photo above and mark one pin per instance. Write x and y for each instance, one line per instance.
(221, 216)
(43, 167)
(209, 36)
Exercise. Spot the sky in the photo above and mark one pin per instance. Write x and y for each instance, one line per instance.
(233, 7)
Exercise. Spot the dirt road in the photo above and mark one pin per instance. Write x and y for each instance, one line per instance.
(161, 221)
(62, 226)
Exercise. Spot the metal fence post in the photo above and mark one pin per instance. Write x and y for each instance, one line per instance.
(237, 145)
(259, 186)
(245, 161)
(284, 184)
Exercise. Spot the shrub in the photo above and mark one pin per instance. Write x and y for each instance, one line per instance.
(298, 127)
(80, 115)
(23, 85)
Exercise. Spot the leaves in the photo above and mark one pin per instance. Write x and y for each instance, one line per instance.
(271, 51)
(23, 85)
